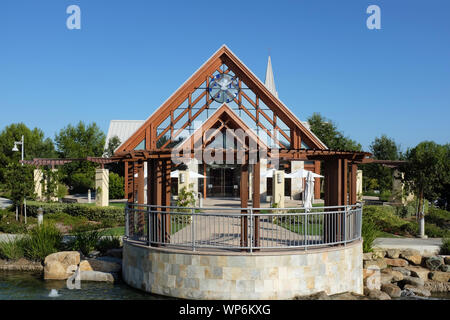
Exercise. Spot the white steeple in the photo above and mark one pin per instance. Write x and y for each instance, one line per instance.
(270, 82)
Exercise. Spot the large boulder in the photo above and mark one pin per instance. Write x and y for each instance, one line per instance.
(402, 270)
(372, 278)
(396, 262)
(61, 265)
(378, 295)
(97, 276)
(99, 265)
(380, 263)
(367, 256)
(433, 263)
(447, 260)
(413, 281)
(378, 253)
(386, 278)
(419, 272)
(440, 276)
(418, 290)
(391, 289)
(444, 268)
(393, 253)
(436, 286)
(396, 275)
(412, 256)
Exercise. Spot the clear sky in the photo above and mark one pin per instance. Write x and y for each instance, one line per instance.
(130, 56)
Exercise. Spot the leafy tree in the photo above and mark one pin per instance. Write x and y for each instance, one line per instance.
(115, 167)
(35, 146)
(328, 133)
(113, 143)
(426, 171)
(382, 148)
(116, 186)
(20, 182)
(80, 141)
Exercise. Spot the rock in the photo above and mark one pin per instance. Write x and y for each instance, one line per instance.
(402, 270)
(393, 253)
(97, 276)
(116, 253)
(433, 263)
(93, 254)
(413, 281)
(322, 295)
(440, 276)
(412, 256)
(396, 262)
(386, 278)
(436, 286)
(367, 256)
(418, 290)
(419, 272)
(348, 296)
(447, 260)
(99, 265)
(378, 295)
(60, 265)
(444, 268)
(380, 263)
(373, 278)
(378, 253)
(391, 289)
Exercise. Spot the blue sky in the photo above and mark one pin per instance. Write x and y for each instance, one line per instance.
(129, 57)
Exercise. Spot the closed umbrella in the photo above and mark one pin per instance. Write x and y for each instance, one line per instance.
(192, 174)
(309, 191)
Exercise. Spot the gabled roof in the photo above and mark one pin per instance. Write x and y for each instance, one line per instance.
(222, 56)
(123, 129)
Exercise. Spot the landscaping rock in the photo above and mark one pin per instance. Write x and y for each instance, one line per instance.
(396, 262)
(440, 276)
(413, 281)
(373, 278)
(367, 256)
(116, 253)
(412, 256)
(60, 265)
(444, 268)
(393, 253)
(21, 265)
(378, 253)
(391, 289)
(99, 265)
(380, 263)
(93, 254)
(418, 290)
(386, 278)
(378, 295)
(402, 270)
(436, 286)
(97, 276)
(447, 260)
(433, 263)
(348, 296)
(419, 272)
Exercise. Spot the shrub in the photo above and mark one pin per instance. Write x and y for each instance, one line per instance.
(12, 226)
(106, 243)
(439, 217)
(62, 191)
(41, 241)
(445, 247)
(11, 249)
(84, 241)
(116, 186)
(385, 218)
(369, 231)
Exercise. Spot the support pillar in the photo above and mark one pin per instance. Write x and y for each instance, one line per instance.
(317, 181)
(296, 183)
(359, 185)
(278, 188)
(244, 202)
(352, 183)
(256, 198)
(38, 176)
(102, 187)
(141, 199)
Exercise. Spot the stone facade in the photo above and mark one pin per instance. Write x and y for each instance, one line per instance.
(208, 275)
(102, 187)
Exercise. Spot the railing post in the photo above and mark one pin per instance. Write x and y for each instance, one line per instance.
(149, 229)
(193, 229)
(127, 221)
(345, 225)
(251, 230)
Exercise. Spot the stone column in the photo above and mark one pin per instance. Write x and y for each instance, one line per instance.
(193, 166)
(38, 175)
(54, 199)
(183, 180)
(359, 185)
(278, 188)
(102, 187)
(297, 183)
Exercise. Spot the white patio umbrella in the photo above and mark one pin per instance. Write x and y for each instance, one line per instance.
(302, 173)
(192, 174)
(309, 191)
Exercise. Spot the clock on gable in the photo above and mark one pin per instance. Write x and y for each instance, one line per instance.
(223, 88)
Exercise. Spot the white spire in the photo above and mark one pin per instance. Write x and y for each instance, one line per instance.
(270, 82)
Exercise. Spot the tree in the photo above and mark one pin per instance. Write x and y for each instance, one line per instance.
(35, 146)
(80, 141)
(328, 133)
(113, 143)
(382, 148)
(425, 172)
(20, 183)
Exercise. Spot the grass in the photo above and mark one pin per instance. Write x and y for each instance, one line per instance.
(11, 250)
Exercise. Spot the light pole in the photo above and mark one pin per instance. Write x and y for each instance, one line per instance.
(21, 142)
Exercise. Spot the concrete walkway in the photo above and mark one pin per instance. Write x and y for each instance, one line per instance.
(427, 247)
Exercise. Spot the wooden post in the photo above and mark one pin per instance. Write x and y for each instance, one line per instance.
(317, 180)
(167, 198)
(353, 172)
(131, 199)
(256, 199)
(244, 201)
(159, 198)
(140, 199)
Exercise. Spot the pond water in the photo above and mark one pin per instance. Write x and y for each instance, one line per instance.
(30, 286)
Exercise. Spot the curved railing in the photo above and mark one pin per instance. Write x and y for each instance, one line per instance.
(242, 228)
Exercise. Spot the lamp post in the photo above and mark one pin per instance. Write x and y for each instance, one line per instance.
(21, 142)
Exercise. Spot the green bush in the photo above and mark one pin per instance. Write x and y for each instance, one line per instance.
(116, 186)
(84, 241)
(106, 243)
(385, 218)
(439, 217)
(12, 249)
(41, 241)
(92, 213)
(433, 231)
(445, 247)
(9, 225)
(62, 191)
(369, 231)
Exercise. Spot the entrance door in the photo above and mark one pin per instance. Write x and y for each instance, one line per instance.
(223, 180)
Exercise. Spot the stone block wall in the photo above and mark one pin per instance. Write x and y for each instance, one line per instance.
(203, 275)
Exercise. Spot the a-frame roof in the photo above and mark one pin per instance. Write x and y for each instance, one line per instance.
(224, 55)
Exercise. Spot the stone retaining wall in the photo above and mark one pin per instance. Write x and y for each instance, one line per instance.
(212, 275)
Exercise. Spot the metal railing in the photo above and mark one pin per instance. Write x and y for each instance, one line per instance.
(242, 228)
